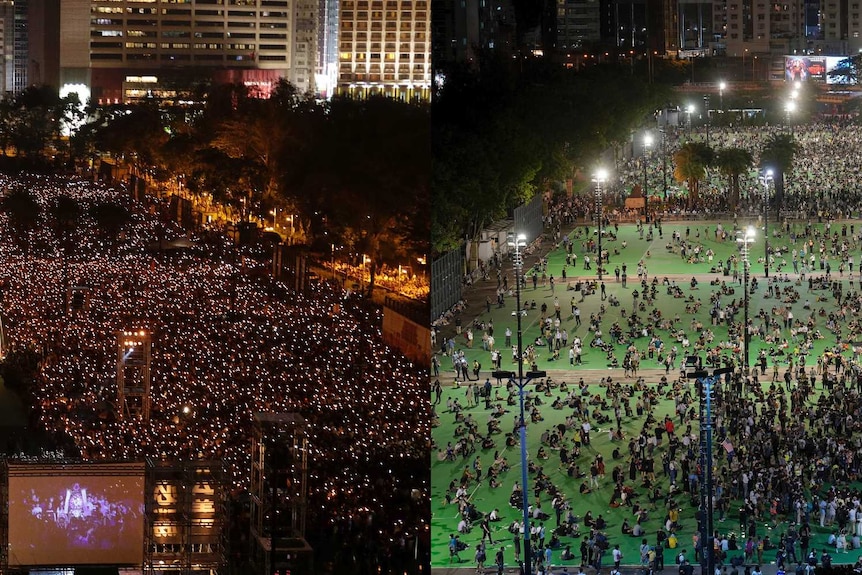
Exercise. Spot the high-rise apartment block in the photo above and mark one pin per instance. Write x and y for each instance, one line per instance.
(763, 26)
(385, 48)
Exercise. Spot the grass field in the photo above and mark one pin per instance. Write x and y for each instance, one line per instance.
(445, 518)
(660, 261)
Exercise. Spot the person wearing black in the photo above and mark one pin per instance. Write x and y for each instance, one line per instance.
(486, 531)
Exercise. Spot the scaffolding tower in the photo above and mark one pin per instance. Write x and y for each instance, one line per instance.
(186, 518)
(279, 493)
(134, 356)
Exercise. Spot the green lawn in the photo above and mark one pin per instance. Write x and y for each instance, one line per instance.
(445, 518)
(659, 262)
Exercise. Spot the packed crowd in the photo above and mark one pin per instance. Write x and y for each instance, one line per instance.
(228, 341)
(812, 188)
(785, 463)
(789, 436)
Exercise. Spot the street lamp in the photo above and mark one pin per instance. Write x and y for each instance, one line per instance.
(706, 113)
(600, 178)
(767, 179)
(789, 108)
(647, 144)
(721, 87)
(706, 378)
(663, 164)
(745, 239)
(517, 242)
(690, 110)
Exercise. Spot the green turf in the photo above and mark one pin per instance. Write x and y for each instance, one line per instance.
(659, 262)
(445, 518)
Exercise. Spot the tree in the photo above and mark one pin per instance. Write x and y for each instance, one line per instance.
(67, 213)
(691, 161)
(110, 219)
(777, 154)
(263, 134)
(23, 212)
(35, 120)
(135, 131)
(372, 197)
(732, 162)
(509, 132)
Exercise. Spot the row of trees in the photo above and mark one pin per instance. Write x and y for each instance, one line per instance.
(693, 159)
(355, 172)
(505, 132)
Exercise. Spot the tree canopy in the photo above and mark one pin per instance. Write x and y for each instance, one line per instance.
(501, 136)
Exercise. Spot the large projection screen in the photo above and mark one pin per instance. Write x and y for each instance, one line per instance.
(76, 514)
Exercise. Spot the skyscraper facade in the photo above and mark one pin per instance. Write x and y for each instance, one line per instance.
(124, 50)
(385, 48)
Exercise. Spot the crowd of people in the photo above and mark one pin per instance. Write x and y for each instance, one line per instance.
(820, 183)
(228, 341)
(787, 430)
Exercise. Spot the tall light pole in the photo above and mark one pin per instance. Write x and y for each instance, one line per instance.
(767, 180)
(647, 144)
(707, 378)
(789, 108)
(690, 110)
(600, 178)
(745, 239)
(663, 164)
(517, 242)
(721, 87)
(706, 113)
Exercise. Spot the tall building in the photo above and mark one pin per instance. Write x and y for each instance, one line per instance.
(7, 45)
(578, 24)
(385, 48)
(841, 26)
(462, 28)
(327, 47)
(125, 50)
(761, 27)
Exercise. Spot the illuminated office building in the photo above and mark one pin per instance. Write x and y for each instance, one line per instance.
(385, 48)
(125, 50)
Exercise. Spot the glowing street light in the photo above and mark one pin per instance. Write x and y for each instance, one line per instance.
(745, 239)
(600, 178)
(789, 109)
(647, 143)
(690, 110)
(767, 179)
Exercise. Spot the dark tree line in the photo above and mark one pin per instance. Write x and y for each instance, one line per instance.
(503, 134)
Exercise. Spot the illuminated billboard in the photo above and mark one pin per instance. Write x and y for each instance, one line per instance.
(76, 514)
(817, 69)
(805, 68)
(837, 63)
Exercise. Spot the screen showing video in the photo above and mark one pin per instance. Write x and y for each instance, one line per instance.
(75, 516)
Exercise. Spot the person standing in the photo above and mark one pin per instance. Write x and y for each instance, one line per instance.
(480, 557)
(617, 555)
(516, 541)
(499, 561)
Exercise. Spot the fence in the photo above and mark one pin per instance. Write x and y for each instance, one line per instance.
(528, 218)
(446, 273)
